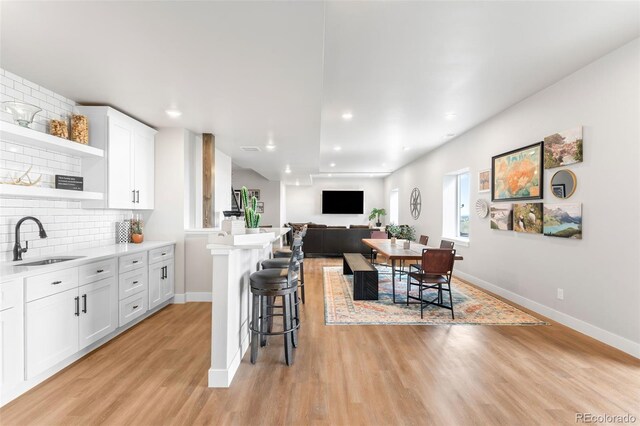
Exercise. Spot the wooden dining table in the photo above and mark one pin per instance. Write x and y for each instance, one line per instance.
(397, 252)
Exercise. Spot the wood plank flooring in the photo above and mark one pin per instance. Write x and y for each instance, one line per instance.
(156, 373)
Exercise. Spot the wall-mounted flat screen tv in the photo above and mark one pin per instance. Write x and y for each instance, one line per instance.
(342, 202)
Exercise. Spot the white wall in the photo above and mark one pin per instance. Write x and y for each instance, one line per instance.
(167, 220)
(304, 203)
(68, 226)
(269, 193)
(600, 274)
(223, 182)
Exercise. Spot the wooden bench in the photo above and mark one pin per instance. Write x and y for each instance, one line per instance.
(365, 276)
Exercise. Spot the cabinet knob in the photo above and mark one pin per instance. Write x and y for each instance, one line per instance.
(135, 306)
(56, 282)
(99, 271)
(135, 282)
(135, 261)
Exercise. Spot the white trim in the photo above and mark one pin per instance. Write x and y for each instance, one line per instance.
(611, 339)
(198, 296)
(222, 378)
(178, 299)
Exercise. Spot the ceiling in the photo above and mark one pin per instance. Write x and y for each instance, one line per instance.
(286, 72)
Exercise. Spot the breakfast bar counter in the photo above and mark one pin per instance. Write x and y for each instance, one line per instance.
(234, 259)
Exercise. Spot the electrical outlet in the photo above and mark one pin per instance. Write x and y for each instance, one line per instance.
(560, 295)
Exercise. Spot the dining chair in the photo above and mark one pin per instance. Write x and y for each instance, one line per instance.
(446, 244)
(377, 235)
(424, 240)
(435, 274)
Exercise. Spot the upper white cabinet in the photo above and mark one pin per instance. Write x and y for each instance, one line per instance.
(126, 176)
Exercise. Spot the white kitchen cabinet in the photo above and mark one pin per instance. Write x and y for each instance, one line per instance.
(161, 275)
(51, 330)
(126, 175)
(98, 311)
(11, 335)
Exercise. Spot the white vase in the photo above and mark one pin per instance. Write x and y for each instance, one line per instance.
(393, 240)
(253, 230)
(407, 245)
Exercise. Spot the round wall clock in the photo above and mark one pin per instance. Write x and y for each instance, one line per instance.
(415, 203)
(482, 208)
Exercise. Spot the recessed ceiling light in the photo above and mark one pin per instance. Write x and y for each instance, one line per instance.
(347, 115)
(450, 135)
(297, 183)
(329, 175)
(406, 148)
(337, 148)
(270, 147)
(173, 113)
(384, 164)
(450, 116)
(332, 165)
(287, 169)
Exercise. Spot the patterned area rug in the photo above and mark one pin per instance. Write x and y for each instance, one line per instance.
(471, 306)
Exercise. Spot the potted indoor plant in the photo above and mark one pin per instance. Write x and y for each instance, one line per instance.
(375, 214)
(251, 218)
(136, 230)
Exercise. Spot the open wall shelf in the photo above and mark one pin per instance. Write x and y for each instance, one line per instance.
(10, 132)
(47, 193)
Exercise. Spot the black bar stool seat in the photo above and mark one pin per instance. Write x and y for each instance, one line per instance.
(285, 255)
(272, 278)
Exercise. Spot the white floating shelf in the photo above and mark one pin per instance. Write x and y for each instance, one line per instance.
(50, 193)
(10, 132)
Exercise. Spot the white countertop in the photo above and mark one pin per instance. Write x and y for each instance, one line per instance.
(12, 270)
(217, 245)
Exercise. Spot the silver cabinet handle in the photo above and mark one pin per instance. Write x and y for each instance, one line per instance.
(133, 194)
(138, 197)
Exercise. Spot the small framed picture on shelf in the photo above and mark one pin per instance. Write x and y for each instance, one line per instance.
(260, 207)
(237, 194)
(559, 190)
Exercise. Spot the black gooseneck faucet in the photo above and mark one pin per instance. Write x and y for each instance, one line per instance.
(17, 248)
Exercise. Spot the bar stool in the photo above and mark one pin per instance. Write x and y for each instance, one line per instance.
(283, 263)
(267, 286)
(284, 253)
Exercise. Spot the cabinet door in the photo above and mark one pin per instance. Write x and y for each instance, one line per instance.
(11, 348)
(155, 284)
(51, 330)
(120, 185)
(98, 311)
(169, 280)
(143, 169)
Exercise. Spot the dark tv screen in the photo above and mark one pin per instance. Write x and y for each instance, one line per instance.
(342, 202)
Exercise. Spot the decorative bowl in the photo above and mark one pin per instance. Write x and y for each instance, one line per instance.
(23, 114)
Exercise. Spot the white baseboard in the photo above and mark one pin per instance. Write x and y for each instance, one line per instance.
(195, 296)
(611, 339)
(178, 299)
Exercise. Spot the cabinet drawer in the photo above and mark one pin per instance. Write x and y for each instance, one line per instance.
(132, 307)
(132, 282)
(10, 294)
(97, 271)
(51, 283)
(133, 261)
(159, 254)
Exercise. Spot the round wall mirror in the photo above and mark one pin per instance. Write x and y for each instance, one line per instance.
(563, 183)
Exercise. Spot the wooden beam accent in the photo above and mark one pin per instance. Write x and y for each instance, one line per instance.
(208, 179)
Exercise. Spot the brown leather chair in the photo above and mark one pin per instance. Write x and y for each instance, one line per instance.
(435, 274)
(377, 235)
(424, 239)
(446, 244)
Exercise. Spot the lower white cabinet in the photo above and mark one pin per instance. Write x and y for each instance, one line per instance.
(60, 325)
(99, 311)
(11, 336)
(52, 330)
(161, 282)
(132, 307)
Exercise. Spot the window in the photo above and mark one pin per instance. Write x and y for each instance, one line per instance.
(393, 206)
(455, 206)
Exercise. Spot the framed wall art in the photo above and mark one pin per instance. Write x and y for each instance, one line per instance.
(484, 180)
(527, 217)
(518, 175)
(563, 220)
(260, 207)
(563, 148)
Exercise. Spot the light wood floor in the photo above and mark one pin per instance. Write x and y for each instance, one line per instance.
(156, 373)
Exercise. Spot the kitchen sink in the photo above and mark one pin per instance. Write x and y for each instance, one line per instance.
(51, 260)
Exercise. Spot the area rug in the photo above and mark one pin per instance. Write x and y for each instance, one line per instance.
(471, 305)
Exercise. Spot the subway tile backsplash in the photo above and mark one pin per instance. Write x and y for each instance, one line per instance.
(68, 225)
